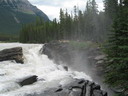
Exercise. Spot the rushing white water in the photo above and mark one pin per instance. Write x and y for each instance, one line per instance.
(49, 74)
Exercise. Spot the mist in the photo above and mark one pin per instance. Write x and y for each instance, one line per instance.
(82, 63)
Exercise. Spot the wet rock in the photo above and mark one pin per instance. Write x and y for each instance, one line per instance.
(2, 74)
(66, 68)
(79, 87)
(118, 90)
(75, 92)
(58, 90)
(96, 87)
(100, 62)
(73, 89)
(105, 93)
(28, 80)
(88, 91)
(65, 92)
(97, 93)
(59, 52)
(12, 54)
(100, 57)
(81, 81)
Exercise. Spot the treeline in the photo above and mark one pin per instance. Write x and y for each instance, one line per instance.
(88, 25)
(8, 38)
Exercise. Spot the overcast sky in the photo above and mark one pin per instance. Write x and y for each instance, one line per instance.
(52, 7)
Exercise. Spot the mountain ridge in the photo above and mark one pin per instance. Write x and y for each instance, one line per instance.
(15, 13)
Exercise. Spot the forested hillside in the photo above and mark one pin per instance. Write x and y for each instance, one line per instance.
(88, 25)
(15, 13)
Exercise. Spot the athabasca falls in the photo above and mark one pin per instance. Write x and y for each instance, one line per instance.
(50, 75)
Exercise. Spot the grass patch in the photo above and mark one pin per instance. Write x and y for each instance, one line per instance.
(80, 45)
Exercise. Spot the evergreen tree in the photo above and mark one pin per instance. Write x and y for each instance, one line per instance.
(117, 65)
(111, 8)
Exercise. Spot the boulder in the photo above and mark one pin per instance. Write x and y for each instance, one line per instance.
(12, 54)
(66, 68)
(28, 80)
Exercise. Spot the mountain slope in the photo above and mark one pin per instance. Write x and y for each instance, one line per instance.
(15, 13)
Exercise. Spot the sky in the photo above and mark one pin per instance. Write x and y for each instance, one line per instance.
(52, 7)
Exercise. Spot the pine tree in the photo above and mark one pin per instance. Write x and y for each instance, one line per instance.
(117, 65)
(111, 7)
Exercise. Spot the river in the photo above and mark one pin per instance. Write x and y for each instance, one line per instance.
(49, 74)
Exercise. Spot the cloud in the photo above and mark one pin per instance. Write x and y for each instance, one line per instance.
(100, 6)
(51, 11)
(52, 7)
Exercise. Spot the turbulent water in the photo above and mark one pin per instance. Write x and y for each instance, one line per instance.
(49, 74)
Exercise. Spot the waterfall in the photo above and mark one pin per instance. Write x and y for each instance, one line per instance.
(49, 74)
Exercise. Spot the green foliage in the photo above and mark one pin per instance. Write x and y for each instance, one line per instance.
(83, 26)
(117, 51)
(81, 45)
(39, 32)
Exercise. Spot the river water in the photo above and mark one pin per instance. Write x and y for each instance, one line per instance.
(49, 74)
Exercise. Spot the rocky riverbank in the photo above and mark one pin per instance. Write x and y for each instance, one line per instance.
(74, 87)
(89, 60)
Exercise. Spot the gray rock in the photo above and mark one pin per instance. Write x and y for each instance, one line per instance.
(96, 87)
(79, 87)
(105, 93)
(88, 91)
(100, 57)
(66, 68)
(97, 93)
(73, 89)
(12, 54)
(28, 80)
(100, 62)
(58, 90)
(59, 52)
(75, 92)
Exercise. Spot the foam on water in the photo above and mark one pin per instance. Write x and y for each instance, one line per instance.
(35, 64)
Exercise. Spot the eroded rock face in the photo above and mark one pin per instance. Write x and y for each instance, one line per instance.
(12, 54)
(58, 52)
